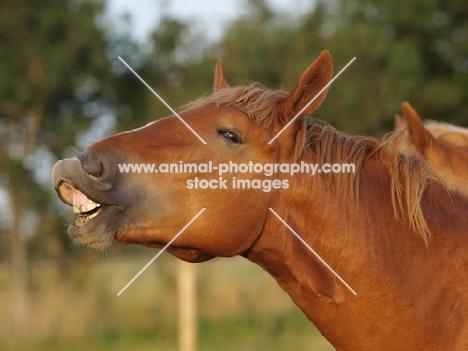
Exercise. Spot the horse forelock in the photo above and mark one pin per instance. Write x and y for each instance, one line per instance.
(257, 102)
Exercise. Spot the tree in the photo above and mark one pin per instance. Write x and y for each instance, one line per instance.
(56, 79)
(406, 51)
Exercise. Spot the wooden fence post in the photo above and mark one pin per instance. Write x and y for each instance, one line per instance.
(187, 306)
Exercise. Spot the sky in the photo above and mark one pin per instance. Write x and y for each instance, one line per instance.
(212, 13)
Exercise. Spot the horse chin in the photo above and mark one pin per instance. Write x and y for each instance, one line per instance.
(97, 232)
(92, 239)
(100, 242)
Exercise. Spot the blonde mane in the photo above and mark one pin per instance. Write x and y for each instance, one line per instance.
(458, 136)
(409, 173)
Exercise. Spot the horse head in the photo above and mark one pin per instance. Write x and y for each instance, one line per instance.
(444, 147)
(149, 206)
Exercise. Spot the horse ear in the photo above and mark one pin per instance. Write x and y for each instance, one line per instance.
(310, 83)
(219, 80)
(399, 123)
(417, 133)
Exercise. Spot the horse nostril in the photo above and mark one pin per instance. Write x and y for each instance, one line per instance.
(91, 165)
(95, 169)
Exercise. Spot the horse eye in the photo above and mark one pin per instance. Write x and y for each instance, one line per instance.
(230, 136)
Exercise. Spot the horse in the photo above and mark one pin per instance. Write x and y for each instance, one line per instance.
(390, 228)
(445, 146)
(454, 134)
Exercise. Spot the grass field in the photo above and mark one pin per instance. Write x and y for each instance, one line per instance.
(240, 307)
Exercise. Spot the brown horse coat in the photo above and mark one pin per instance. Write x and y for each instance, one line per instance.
(443, 145)
(390, 229)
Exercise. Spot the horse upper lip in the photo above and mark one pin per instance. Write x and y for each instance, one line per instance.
(77, 188)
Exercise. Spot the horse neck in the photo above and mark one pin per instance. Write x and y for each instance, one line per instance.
(362, 241)
(333, 227)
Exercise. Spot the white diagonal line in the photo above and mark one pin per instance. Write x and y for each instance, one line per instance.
(162, 100)
(162, 250)
(312, 250)
(311, 101)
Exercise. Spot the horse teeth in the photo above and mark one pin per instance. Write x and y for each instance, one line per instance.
(91, 206)
(93, 215)
(86, 208)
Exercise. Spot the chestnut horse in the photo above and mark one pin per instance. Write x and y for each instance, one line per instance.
(390, 229)
(445, 146)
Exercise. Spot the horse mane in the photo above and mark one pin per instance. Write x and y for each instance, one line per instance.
(458, 136)
(409, 173)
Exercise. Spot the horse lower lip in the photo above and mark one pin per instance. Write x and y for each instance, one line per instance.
(83, 219)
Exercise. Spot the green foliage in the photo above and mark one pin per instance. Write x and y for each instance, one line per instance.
(53, 64)
(412, 51)
(56, 78)
(258, 46)
(406, 51)
(174, 67)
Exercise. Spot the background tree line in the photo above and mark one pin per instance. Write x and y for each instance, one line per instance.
(62, 87)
